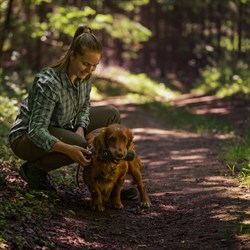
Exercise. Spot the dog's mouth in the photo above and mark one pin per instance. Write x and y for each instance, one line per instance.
(117, 161)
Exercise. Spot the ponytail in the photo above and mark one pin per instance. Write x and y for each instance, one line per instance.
(84, 40)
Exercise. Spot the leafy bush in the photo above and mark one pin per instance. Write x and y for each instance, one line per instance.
(237, 155)
(229, 79)
(138, 87)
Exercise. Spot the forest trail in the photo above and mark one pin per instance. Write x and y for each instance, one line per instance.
(195, 203)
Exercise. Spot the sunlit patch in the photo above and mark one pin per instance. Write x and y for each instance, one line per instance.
(193, 154)
(225, 216)
(73, 239)
(159, 194)
(183, 168)
(206, 110)
(196, 99)
(155, 131)
(155, 214)
(168, 207)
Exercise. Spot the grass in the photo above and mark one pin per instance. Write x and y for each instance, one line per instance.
(236, 154)
(225, 80)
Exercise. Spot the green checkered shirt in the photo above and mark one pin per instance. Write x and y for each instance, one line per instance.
(52, 101)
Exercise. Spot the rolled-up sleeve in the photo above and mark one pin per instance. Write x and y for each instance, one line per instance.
(44, 101)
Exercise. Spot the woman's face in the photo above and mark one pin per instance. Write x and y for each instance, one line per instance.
(82, 66)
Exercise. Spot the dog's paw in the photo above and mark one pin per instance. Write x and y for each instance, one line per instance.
(97, 207)
(145, 204)
(117, 205)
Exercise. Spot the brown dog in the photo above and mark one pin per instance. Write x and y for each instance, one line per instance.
(104, 178)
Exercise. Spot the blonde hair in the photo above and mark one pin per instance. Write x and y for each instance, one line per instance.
(84, 40)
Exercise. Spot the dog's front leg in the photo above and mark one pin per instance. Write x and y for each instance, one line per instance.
(96, 197)
(116, 194)
(135, 171)
(97, 202)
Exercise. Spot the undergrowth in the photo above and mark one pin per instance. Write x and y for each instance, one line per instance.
(237, 156)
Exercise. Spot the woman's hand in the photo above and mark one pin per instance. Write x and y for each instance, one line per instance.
(76, 153)
(79, 155)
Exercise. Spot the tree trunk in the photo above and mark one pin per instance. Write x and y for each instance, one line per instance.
(6, 28)
(240, 29)
(219, 16)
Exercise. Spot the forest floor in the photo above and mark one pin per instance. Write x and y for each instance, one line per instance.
(196, 204)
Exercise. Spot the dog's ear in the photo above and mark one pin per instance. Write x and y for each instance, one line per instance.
(130, 136)
(99, 142)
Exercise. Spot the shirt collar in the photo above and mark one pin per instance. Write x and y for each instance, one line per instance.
(66, 82)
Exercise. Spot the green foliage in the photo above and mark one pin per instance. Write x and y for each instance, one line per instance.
(13, 89)
(128, 31)
(131, 5)
(17, 208)
(237, 155)
(230, 79)
(117, 26)
(22, 205)
(67, 19)
(138, 86)
(14, 84)
(8, 111)
(64, 176)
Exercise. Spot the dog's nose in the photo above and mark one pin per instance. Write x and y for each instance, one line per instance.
(119, 155)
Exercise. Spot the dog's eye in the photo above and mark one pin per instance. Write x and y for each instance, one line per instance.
(111, 139)
(125, 139)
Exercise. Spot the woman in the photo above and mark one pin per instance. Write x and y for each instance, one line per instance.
(49, 130)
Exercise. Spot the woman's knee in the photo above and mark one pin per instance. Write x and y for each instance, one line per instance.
(114, 114)
(68, 136)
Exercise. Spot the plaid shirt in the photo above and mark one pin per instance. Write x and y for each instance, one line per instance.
(52, 101)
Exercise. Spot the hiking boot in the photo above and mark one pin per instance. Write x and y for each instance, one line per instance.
(129, 193)
(36, 178)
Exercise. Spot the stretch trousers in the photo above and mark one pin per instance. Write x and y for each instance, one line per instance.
(24, 148)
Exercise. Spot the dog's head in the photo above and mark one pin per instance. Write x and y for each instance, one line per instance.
(117, 138)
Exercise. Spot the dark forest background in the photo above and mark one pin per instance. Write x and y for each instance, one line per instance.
(154, 51)
(169, 40)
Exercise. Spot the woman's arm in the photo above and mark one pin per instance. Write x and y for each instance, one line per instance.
(76, 153)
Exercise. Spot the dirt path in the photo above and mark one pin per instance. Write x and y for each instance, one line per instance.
(195, 205)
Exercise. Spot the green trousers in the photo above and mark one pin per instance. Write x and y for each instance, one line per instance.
(24, 148)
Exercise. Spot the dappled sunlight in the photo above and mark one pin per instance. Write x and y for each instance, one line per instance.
(183, 168)
(193, 154)
(209, 110)
(155, 132)
(218, 214)
(204, 106)
(152, 131)
(67, 237)
(158, 174)
(186, 99)
(168, 208)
